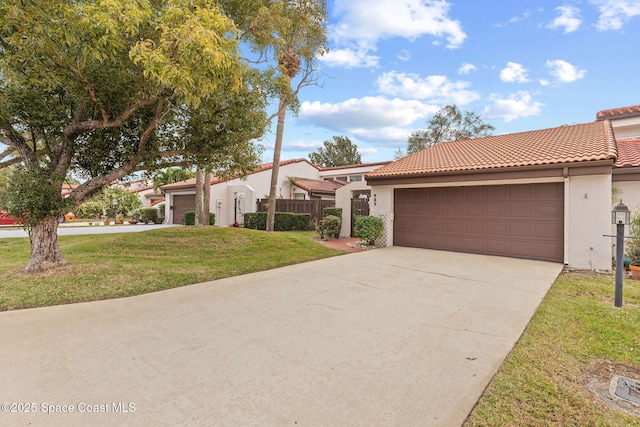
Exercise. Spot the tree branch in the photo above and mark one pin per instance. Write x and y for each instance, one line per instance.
(153, 124)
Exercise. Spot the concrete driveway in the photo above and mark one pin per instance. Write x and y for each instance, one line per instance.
(390, 337)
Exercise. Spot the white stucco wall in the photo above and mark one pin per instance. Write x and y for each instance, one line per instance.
(587, 219)
(587, 208)
(629, 192)
(343, 200)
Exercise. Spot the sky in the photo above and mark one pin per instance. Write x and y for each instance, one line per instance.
(522, 65)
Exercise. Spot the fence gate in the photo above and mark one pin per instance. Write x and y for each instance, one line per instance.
(359, 207)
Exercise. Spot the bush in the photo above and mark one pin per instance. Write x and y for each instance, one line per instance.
(329, 227)
(284, 221)
(368, 228)
(332, 211)
(119, 219)
(149, 215)
(190, 218)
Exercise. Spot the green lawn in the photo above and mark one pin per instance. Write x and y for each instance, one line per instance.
(117, 265)
(576, 336)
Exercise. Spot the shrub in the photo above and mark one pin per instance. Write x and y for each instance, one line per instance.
(190, 218)
(119, 219)
(332, 211)
(368, 228)
(329, 227)
(149, 215)
(284, 221)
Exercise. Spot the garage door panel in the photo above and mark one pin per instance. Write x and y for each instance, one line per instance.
(474, 227)
(511, 220)
(435, 226)
(520, 210)
(496, 210)
(453, 227)
(520, 229)
(453, 209)
(472, 209)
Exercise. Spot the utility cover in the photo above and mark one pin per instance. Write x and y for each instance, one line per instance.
(628, 389)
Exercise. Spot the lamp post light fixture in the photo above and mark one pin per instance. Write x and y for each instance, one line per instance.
(115, 210)
(620, 216)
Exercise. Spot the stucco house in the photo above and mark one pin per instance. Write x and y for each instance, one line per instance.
(543, 194)
(298, 179)
(626, 172)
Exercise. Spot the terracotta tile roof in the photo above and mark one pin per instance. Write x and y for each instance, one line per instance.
(216, 180)
(319, 186)
(628, 153)
(618, 112)
(565, 144)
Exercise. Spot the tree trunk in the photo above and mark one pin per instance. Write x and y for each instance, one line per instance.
(271, 212)
(199, 201)
(45, 251)
(206, 198)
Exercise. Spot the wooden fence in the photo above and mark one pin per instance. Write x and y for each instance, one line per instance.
(313, 207)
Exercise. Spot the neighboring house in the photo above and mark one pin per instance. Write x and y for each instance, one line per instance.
(626, 172)
(543, 194)
(232, 198)
(144, 190)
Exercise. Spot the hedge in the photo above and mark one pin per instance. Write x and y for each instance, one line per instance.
(368, 228)
(190, 218)
(284, 221)
(149, 215)
(332, 212)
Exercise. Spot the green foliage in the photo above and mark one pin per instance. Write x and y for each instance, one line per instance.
(329, 227)
(171, 175)
(189, 218)
(340, 152)
(32, 197)
(368, 228)
(632, 246)
(102, 205)
(119, 218)
(448, 124)
(149, 215)
(332, 211)
(284, 221)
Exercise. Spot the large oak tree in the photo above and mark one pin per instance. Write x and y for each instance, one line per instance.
(110, 87)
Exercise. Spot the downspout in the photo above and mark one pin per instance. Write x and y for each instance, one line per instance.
(567, 215)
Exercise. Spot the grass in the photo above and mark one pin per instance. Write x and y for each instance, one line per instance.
(119, 265)
(575, 330)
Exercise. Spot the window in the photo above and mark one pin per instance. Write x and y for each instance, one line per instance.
(355, 178)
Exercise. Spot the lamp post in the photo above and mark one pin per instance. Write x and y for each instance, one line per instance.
(115, 210)
(620, 216)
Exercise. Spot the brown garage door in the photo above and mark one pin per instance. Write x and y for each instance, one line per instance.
(523, 221)
(182, 204)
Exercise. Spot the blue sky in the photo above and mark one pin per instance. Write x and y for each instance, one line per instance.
(522, 65)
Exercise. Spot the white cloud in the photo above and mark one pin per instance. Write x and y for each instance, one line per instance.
(466, 68)
(367, 151)
(564, 72)
(438, 89)
(375, 119)
(404, 55)
(615, 13)
(516, 106)
(569, 19)
(513, 72)
(544, 82)
(367, 20)
(363, 23)
(350, 58)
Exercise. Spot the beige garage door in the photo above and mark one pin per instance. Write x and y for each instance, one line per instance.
(523, 221)
(182, 204)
